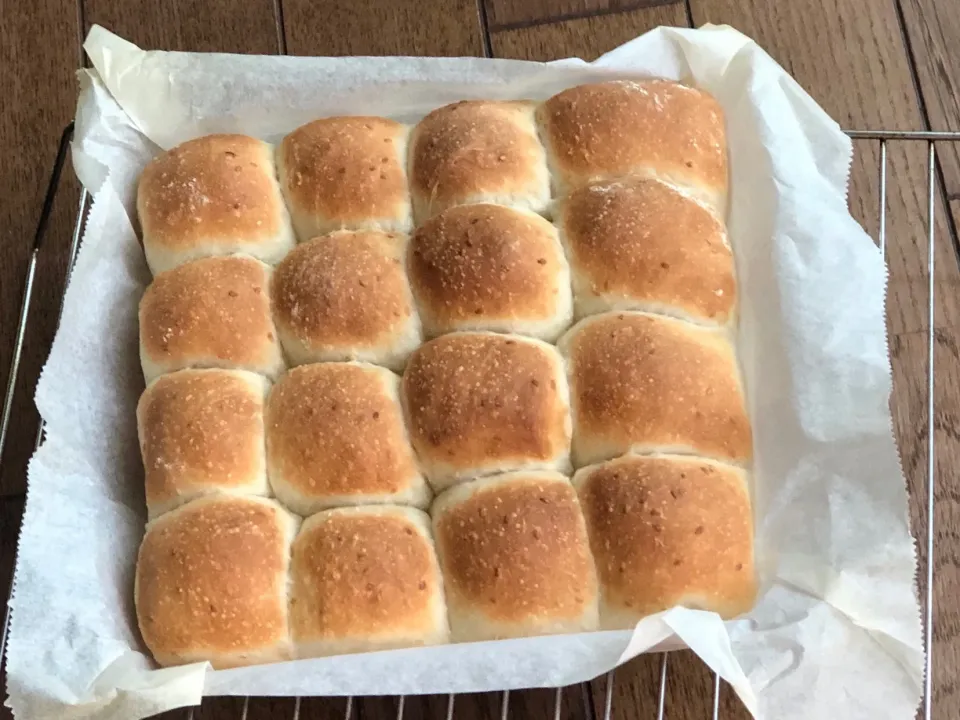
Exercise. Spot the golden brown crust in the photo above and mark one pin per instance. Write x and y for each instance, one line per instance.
(365, 577)
(211, 582)
(648, 382)
(345, 294)
(201, 430)
(514, 552)
(212, 190)
(213, 312)
(666, 531)
(335, 432)
(638, 244)
(345, 172)
(481, 402)
(612, 129)
(474, 150)
(487, 266)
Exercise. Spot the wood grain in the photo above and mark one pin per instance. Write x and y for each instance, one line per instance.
(688, 692)
(333, 29)
(223, 708)
(314, 709)
(200, 26)
(190, 25)
(933, 30)
(635, 691)
(862, 76)
(513, 14)
(38, 91)
(877, 92)
(850, 55)
(537, 704)
(374, 27)
(585, 38)
(906, 233)
(909, 359)
(955, 214)
(414, 708)
(371, 27)
(470, 706)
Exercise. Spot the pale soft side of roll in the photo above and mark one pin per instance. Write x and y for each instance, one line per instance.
(336, 436)
(490, 267)
(668, 530)
(482, 403)
(345, 296)
(210, 313)
(478, 151)
(655, 128)
(648, 383)
(638, 244)
(211, 582)
(364, 579)
(201, 432)
(215, 195)
(515, 558)
(346, 173)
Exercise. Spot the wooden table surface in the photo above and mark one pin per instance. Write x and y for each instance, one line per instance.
(891, 64)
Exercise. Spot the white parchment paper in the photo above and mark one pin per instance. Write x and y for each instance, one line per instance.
(837, 631)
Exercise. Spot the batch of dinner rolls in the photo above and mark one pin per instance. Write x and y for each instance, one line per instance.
(467, 380)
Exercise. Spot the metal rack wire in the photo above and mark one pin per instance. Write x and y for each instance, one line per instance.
(882, 137)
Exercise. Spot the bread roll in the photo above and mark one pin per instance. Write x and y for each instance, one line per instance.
(515, 558)
(478, 151)
(490, 267)
(201, 432)
(211, 582)
(335, 436)
(481, 403)
(346, 173)
(365, 579)
(650, 383)
(216, 195)
(345, 296)
(638, 244)
(210, 313)
(666, 531)
(652, 128)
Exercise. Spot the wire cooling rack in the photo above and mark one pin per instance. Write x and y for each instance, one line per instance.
(587, 709)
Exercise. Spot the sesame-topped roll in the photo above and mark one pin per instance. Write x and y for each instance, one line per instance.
(490, 267)
(481, 403)
(345, 296)
(478, 151)
(653, 128)
(515, 557)
(210, 313)
(215, 195)
(648, 383)
(668, 530)
(346, 173)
